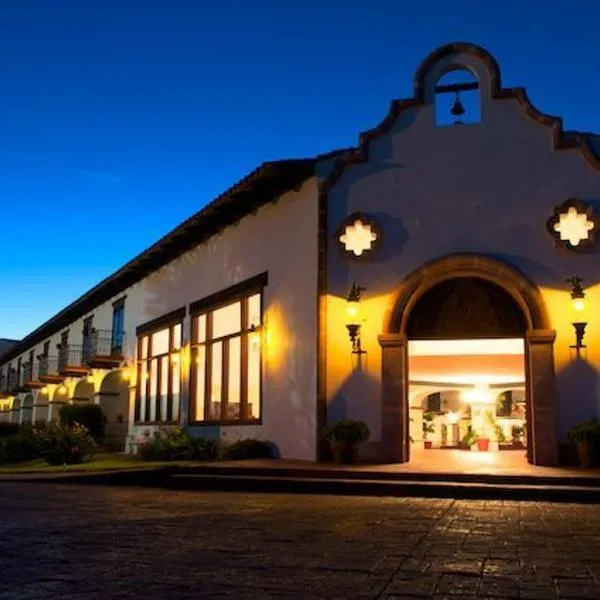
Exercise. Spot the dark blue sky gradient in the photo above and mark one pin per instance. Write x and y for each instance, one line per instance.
(120, 118)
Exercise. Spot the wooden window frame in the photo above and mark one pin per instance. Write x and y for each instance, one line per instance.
(169, 321)
(240, 292)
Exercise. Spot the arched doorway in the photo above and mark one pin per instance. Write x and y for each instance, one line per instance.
(114, 400)
(469, 296)
(27, 409)
(15, 415)
(42, 405)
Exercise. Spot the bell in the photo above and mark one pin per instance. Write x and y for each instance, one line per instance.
(457, 109)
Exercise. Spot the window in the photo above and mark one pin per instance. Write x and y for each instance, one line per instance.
(226, 357)
(118, 327)
(159, 375)
(86, 342)
(63, 347)
(434, 403)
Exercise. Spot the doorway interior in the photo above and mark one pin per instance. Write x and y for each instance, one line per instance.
(468, 395)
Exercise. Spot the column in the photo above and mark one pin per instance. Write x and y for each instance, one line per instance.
(394, 401)
(541, 397)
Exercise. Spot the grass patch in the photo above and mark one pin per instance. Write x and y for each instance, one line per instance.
(101, 462)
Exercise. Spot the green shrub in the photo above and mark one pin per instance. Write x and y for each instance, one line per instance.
(7, 429)
(247, 449)
(205, 449)
(173, 443)
(348, 431)
(60, 444)
(168, 443)
(89, 415)
(18, 448)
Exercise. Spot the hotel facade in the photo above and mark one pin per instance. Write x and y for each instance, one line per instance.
(437, 281)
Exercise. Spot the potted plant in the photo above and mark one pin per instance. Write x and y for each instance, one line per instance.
(585, 436)
(468, 439)
(345, 436)
(517, 432)
(427, 429)
(503, 443)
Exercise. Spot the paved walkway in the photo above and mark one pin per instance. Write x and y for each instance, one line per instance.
(79, 542)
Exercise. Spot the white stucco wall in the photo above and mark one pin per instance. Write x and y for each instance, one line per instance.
(280, 238)
(483, 188)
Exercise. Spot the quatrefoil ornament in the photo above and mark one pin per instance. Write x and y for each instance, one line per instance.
(574, 225)
(358, 235)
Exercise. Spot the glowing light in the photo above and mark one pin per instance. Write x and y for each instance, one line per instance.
(478, 395)
(453, 417)
(90, 379)
(175, 358)
(62, 389)
(574, 226)
(358, 237)
(579, 304)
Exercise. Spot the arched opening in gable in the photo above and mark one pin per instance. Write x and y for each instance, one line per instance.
(457, 98)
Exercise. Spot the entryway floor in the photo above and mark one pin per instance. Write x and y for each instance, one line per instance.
(512, 462)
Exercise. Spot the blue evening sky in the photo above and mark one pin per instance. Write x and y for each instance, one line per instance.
(121, 118)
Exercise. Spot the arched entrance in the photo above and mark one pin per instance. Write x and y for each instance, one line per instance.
(27, 409)
(113, 397)
(471, 296)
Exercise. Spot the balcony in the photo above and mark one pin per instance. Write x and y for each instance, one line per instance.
(13, 382)
(32, 376)
(103, 349)
(21, 374)
(48, 370)
(70, 361)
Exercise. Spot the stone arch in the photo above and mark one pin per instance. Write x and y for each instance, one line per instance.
(84, 391)
(539, 355)
(42, 405)
(60, 396)
(15, 415)
(27, 409)
(521, 289)
(113, 398)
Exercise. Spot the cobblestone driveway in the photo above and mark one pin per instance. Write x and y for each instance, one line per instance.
(77, 542)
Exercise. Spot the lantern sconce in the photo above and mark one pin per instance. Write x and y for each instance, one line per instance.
(579, 305)
(353, 315)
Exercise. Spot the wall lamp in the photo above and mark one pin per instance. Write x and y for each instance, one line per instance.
(579, 309)
(353, 317)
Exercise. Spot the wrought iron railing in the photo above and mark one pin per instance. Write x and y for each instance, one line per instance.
(24, 374)
(70, 355)
(104, 342)
(48, 365)
(13, 380)
(32, 371)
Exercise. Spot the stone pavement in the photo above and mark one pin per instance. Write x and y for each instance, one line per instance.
(87, 542)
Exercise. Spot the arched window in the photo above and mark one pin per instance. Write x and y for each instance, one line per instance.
(457, 99)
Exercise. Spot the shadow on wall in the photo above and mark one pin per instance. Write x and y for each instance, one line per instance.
(579, 382)
(357, 398)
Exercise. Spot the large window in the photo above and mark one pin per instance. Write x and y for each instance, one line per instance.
(159, 375)
(118, 327)
(226, 360)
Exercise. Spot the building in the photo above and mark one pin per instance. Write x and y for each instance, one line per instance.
(450, 232)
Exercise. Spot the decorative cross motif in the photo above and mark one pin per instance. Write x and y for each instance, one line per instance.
(573, 224)
(358, 237)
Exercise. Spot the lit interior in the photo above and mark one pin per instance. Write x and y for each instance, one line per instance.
(464, 390)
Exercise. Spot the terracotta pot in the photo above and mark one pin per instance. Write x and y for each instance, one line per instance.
(428, 445)
(483, 444)
(344, 453)
(585, 454)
